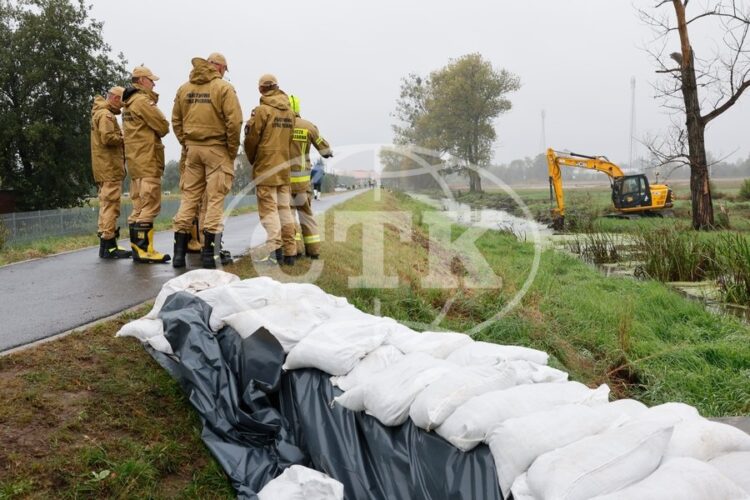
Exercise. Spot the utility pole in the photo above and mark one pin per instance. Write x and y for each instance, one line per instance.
(632, 121)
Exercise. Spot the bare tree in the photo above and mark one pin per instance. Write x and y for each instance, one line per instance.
(699, 89)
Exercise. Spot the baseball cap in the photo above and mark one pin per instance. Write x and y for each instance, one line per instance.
(218, 58)
(118, 91)
(267, 80)
(140, 71)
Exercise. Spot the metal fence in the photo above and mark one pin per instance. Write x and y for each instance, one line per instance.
(25, 227)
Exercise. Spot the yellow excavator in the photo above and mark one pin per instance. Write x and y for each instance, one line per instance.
(632, 195)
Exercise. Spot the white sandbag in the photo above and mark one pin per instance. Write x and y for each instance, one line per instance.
(521, 490)
(441, 398)
(245, 322)
(401, 334)
(471, 422)
(227, 300)
(191, 282)
(335, 347)
(437, 344)
(353, 399)
(735, 466)
(487, 353)
(517, 442)
(301, 483)
(683, 479)
(288, 322)
(410, 374)
(374, 362)
(528, 372)
(161, 344)
(599, 464)
(704, 440)
(391, 394)
(669, 414)
(142, 329)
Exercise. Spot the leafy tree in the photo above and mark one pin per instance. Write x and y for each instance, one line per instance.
(53, 61)
(171, 179)
(452, 112)
(707, 86)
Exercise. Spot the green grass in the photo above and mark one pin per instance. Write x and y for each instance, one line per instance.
(90, 415)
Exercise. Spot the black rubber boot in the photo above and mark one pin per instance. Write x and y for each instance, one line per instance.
(108, 249)
(279, 255)
(211, 249)
(289, 260)
(180, 249)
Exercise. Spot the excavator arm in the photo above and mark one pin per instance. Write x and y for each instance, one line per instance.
(556, 159)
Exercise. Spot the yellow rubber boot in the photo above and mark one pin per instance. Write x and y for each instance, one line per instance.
(142, 243)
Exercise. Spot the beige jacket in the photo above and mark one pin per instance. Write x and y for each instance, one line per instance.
(268, 137)
(107, 155)
(144, 126)
(206, 110)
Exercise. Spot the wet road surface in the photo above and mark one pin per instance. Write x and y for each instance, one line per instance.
(48, 296)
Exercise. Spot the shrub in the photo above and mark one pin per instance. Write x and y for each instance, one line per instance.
(744, 193)
(732, 263)
(671, 254)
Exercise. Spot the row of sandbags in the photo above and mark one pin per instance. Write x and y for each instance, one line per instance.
(550, 438)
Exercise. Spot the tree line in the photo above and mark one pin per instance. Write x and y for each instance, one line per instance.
(53, 61)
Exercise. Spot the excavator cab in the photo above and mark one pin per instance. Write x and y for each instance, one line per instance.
(631, 191)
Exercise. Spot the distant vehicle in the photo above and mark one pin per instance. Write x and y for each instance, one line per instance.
(166, 193)
(126, 194)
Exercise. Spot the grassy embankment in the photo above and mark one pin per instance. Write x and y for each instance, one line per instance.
(87, 404)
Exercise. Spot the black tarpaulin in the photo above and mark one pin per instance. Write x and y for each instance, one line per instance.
(259, 420)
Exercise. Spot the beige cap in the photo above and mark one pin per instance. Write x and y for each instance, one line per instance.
(267, 80)
(140, 71)
(218, 58)
(118, 91)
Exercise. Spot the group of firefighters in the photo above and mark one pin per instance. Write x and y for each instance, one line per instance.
(206, 118)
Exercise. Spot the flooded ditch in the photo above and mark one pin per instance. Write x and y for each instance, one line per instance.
(613, 254)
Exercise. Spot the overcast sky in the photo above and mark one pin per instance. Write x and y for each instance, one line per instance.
(345, 59)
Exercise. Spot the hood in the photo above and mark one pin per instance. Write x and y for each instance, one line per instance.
(134, 89)
(101, 103)
(203, 71)
(276, 98)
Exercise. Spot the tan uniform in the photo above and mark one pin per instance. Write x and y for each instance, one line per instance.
(306, 134)
(144, 126)
(207, 119)
(268, 137)
(107, 163)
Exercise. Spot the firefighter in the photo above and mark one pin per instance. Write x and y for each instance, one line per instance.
(305, 135)
(268, 137)
(144, 126)
(108, 165)
(207, 119)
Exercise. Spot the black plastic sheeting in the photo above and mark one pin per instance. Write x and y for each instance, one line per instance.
(259, 420)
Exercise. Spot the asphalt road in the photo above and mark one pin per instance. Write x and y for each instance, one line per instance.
(45, 297)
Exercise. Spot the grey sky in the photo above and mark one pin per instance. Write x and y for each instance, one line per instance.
(345, 60)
